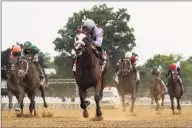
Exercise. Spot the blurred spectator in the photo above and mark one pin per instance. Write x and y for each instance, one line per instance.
(73, 98)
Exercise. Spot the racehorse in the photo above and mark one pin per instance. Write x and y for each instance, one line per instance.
(29, 79)
(88, 72)
(157, 93)
(175, 91)
(13, 86)
(127, 83)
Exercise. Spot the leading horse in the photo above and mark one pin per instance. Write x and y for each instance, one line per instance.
(88, 72)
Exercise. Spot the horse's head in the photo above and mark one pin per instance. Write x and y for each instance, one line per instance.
(81, 42)
(22, 67)
(174, 77)
(125, 67)
(13, 65)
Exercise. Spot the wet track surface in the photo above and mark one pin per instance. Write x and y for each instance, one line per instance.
(111, 118)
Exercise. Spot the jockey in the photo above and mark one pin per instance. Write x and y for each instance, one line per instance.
(133, 59)
(175, 67)
(128, 55)
(156, 71)
(16, 51)
(30, 49)
(96, 35)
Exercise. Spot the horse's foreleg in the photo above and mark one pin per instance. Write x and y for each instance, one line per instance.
(123, 100)
(102, 86)
(42, 89)
(84, 104)
(97, 99)
(31, 96)
(152, 100)
(20, 97)
(133, 97)
(162, 103)
(172, 104)
(178, 104)
(10, 96)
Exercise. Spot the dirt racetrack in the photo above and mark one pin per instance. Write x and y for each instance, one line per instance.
(112, 118)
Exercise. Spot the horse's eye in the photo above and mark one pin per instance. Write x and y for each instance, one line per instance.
(76, 38)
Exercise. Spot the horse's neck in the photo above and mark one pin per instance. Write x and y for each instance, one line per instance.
(31, 71)
(88, 58)
(14, 77)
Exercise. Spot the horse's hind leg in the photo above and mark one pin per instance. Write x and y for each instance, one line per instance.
(84, 104)
(162, 103)
(42, 89)
(97, 99)
(10, 96)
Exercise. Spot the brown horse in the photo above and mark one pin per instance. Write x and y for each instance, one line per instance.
(13, 86)
(88, 73)
(127, 83)
(157, 93)
(29, 79)
(175, 91)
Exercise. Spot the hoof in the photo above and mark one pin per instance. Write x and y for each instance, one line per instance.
(133, 114)
(87, 103)
(17, 109)
(85, 114)
(99, 118)
(45, 105)
(98, 114)
(131, 110)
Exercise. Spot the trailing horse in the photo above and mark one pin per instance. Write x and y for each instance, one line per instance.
(29, 79)
(13, 86)
(88, 72)
(175, 91)
(157, 93)
(127, 82)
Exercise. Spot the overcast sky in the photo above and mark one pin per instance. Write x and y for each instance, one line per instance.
(160, 27)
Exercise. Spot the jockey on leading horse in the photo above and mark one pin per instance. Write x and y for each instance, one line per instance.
(32, 50)
(96, 36)
(156, 72)
(175, 67)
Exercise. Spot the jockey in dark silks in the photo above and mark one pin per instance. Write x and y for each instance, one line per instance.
(32, 50)
(175, 67)
(156, 72)
(96, 36)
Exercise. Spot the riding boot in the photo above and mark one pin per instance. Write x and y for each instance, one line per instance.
(137, 79)
(74, 65)
(39, 69)
(163, 85)
(181, 84)
(103, 58)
